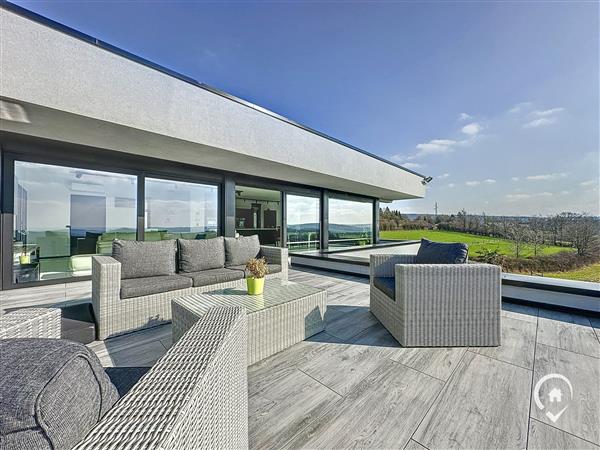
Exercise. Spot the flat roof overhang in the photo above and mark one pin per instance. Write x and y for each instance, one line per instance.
(77, 92)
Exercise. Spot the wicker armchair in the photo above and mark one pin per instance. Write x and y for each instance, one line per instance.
(31, 323)
(115, 316)
(437, 305)
(195, 396)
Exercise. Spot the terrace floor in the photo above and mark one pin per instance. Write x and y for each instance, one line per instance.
(354, 386)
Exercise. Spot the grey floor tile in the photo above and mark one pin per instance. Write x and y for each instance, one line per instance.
(438, 362)
(545, 437)
(596, 326)
(341, 367)
(569, 332)
(283, 410)
(382, 412)
(414, 445)
(582, 416)
(521, 312)
(143, 355)
(484, 405)
(345, 322)
(518, 343)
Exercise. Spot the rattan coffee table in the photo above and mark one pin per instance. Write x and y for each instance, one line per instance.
(285, 314)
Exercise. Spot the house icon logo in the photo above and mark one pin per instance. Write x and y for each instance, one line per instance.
(554, 396)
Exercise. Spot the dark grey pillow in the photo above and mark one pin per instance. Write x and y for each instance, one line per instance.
(52, 393)
(145, 259)
(442, 253)
(240, 250)
(196, 255)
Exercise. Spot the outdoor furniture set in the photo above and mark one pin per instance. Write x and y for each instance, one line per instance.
(55, 394)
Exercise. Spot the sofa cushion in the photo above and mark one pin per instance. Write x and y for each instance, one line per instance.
(213, 276)
(441, 253)
(136, 287)
(272, 268)
(387, 285)
(201, 254)
(52, 393)
(145, 259)
(238, 251)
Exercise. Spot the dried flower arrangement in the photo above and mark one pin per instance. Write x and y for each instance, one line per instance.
(257, 267)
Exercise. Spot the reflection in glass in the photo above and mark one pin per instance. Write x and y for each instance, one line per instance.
(63, 215)
(350, 223)
(258, 211)
(176, 209)
(303, 224)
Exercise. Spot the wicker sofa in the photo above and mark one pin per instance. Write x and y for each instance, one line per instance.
(436, 305)
(195, 396)
(118, 312)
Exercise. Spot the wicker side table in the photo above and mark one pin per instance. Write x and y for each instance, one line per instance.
(284, 315)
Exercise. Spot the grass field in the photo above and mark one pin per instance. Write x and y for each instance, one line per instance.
(476, 243)
(589, 273)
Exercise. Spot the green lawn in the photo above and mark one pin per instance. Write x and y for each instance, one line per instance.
(476, 243)
(589, 273)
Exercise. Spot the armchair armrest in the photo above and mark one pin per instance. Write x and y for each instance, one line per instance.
(196, 396)
(31, 323)
(383, 265)
(106, 288)
(276, 255)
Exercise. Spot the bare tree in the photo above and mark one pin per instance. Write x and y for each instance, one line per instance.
(536, 233)
(584, 233)
(517, 233)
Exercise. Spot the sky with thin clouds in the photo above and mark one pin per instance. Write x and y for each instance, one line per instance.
(497, 101)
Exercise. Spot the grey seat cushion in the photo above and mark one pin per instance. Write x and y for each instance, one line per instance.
(201, 254)
(238, 251)
(145, 259)
(52, 393)
(213, 276)
(387, 285)
(136, 287)
(442, 253)
(273, 268)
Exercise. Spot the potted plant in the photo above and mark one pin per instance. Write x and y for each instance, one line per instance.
(24, 257)
(258, 269)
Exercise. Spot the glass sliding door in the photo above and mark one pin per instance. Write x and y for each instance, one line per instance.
(258, 211)
(303, 223)
(350, 223)
(177, 209)
(63, 215)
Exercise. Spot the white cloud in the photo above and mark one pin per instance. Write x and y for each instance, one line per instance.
(588, 183)
(541, 122)
(520, 107)
(473, 183)
(546, 112)
(444, 175)
(451, 185)
(471, 129)
(546, 176)
(489, 181)
(411, 165)
(514, 179)
(518, 197)
(464, 116)
(565, 192)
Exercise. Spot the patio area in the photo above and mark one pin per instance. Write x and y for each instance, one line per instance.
(354, 386)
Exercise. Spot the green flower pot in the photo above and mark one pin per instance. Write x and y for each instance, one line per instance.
(256, 286)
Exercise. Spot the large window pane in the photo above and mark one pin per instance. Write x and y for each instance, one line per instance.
(303, 224)
(258, 211)
(63, 215)
(176, 209)
(350, 223)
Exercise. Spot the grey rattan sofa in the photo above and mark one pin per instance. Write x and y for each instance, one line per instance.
(436, 305)
(195, 396)
(118, 314)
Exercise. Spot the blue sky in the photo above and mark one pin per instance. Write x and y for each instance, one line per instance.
(497, 101)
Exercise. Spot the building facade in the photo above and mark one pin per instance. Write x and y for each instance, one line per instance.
(98, 144)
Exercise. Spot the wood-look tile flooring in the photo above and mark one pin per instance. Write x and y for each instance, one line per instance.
(353, 386)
